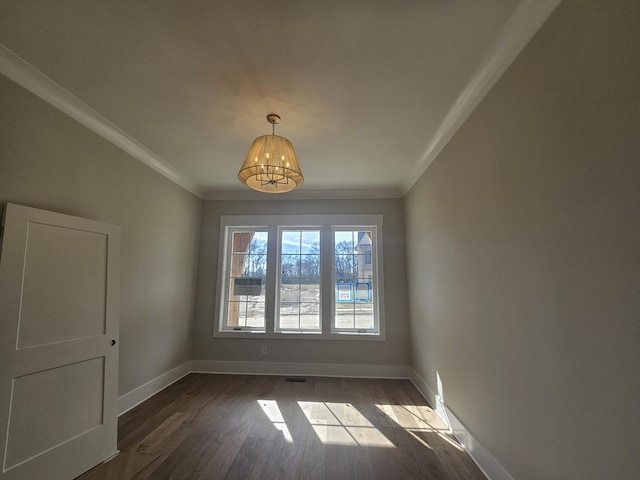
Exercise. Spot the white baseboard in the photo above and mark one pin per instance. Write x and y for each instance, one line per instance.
(138, 395)
(486, 462)
(430, 395)
(483, 458)
(307, 369)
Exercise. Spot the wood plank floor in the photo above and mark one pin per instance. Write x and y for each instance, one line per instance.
(264, 427)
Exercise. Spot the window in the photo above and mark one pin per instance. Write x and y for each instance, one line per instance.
(245, 277)
(285, 275)
(354, 277)
(299, 282)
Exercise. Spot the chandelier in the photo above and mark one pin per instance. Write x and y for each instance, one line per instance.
(271, 165)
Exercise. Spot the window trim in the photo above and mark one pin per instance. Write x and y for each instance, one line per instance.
(326, 224)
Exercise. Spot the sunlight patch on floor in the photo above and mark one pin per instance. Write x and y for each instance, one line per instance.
(273, 413)
(420, 422)
(342, 424)
(414, 417)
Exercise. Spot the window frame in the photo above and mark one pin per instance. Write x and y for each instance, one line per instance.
(375, 282)
(277, 327)
(327, 224)
(226, 282)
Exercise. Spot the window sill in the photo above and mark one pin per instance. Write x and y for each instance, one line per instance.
(367, 337)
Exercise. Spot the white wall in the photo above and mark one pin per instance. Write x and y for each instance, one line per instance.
(49, 161)
(393, 351)
(524, 254)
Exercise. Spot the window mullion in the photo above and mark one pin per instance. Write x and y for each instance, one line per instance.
(327, 288)
(272, 278)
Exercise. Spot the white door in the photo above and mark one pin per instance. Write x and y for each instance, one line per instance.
(59, 309)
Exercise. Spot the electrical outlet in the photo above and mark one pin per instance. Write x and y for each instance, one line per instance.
(264, 350)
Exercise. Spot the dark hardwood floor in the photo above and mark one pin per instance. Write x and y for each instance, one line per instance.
(264, 427)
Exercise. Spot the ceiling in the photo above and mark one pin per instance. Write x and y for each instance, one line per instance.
(368, 90)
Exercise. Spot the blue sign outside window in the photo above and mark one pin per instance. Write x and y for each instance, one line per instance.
(350, 292)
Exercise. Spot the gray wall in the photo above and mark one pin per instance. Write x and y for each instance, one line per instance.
(524, 254)
(393, 351)
(49, 161)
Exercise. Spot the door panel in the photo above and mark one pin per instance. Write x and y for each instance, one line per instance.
(59, 294)
(34, 425)
(74, 308)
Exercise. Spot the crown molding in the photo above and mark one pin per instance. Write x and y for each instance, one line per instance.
(27, 76)
(514, 35)
(247, 194)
